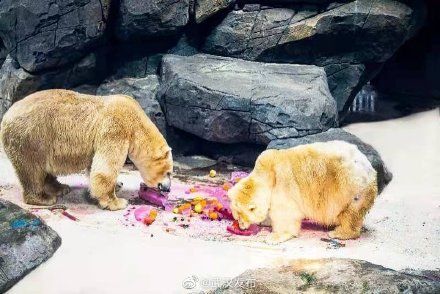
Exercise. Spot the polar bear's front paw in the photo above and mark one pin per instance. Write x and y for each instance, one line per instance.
(114, 204)
(277, 238)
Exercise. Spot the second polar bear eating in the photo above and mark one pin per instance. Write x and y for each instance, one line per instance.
(59, 132)
(331, 183)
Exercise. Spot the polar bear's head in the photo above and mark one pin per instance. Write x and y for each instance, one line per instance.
(250, 200)
(154, 161)
(156, 169)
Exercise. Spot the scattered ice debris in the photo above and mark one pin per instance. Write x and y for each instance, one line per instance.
(197, 210)
(145, 214)
(333, 244)
(235, 229)
(56, 208)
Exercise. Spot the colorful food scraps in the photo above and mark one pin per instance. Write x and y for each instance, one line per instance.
(199, 209)
(145, 214)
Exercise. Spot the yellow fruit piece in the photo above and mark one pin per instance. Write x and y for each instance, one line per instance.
(153, 213)
(198, 208)
(213, 215)
(212, 173)
(198, 198)
(175, 210)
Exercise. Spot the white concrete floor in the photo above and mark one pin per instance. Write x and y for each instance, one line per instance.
(99, 255)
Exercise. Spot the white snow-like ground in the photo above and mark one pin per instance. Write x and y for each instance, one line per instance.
(100, 255)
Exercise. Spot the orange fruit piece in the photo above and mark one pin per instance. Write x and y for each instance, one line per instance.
(226, 186)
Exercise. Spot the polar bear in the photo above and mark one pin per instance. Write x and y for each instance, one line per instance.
(332, 183)
(59, 132)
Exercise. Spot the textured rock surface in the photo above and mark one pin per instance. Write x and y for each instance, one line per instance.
(16, 83)
(25, 242)
(329, 276)
(143, 90)
(207, 8)
(348, 36)
(48, 33)
(147, 18)
(230, 100)
(383, 175)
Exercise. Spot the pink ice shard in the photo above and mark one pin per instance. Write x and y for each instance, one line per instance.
(142, 212)
(235, 229)
(152, 196)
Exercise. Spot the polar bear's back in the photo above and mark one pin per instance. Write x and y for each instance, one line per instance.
(351, 157)
(61, 126)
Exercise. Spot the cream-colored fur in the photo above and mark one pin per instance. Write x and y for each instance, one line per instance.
(332, 183)
(59, 132)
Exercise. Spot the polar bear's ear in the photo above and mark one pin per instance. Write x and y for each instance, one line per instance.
(168, 152)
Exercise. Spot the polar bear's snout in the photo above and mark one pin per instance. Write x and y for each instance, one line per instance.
(165, 185)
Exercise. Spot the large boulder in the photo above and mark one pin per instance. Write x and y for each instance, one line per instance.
(350, 40)
(204, 9)
(383, 175)
(25, 242)
(143, 90)
(230, 100)
(332, 275)
(47, 34)
(16, 82)
(148, 18)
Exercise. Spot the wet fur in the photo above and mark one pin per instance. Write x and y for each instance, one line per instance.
(60, 132)
(331, 183)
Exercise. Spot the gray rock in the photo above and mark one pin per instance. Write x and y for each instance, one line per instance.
(25, 242)
(86, 89)
(354, 37)
(333, 275)
(230, 100)
(48, 33)
(383, 175)
(207, 8)
(147, 18)
(16, 82)
(143, 90)
(138, 67)
(184, 47)
(193, 162)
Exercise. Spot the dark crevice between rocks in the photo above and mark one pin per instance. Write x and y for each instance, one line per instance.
(3, 52)
(186, 144)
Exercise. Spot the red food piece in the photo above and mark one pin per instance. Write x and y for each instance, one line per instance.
(235, 229)
(226, 214)
(152, 196)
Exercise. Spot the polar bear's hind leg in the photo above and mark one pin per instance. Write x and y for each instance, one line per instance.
(351, 219)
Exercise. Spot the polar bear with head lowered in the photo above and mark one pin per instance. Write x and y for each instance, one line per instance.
(331, 183)
(59, 132)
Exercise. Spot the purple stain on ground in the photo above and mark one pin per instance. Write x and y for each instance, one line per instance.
(312, 226)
